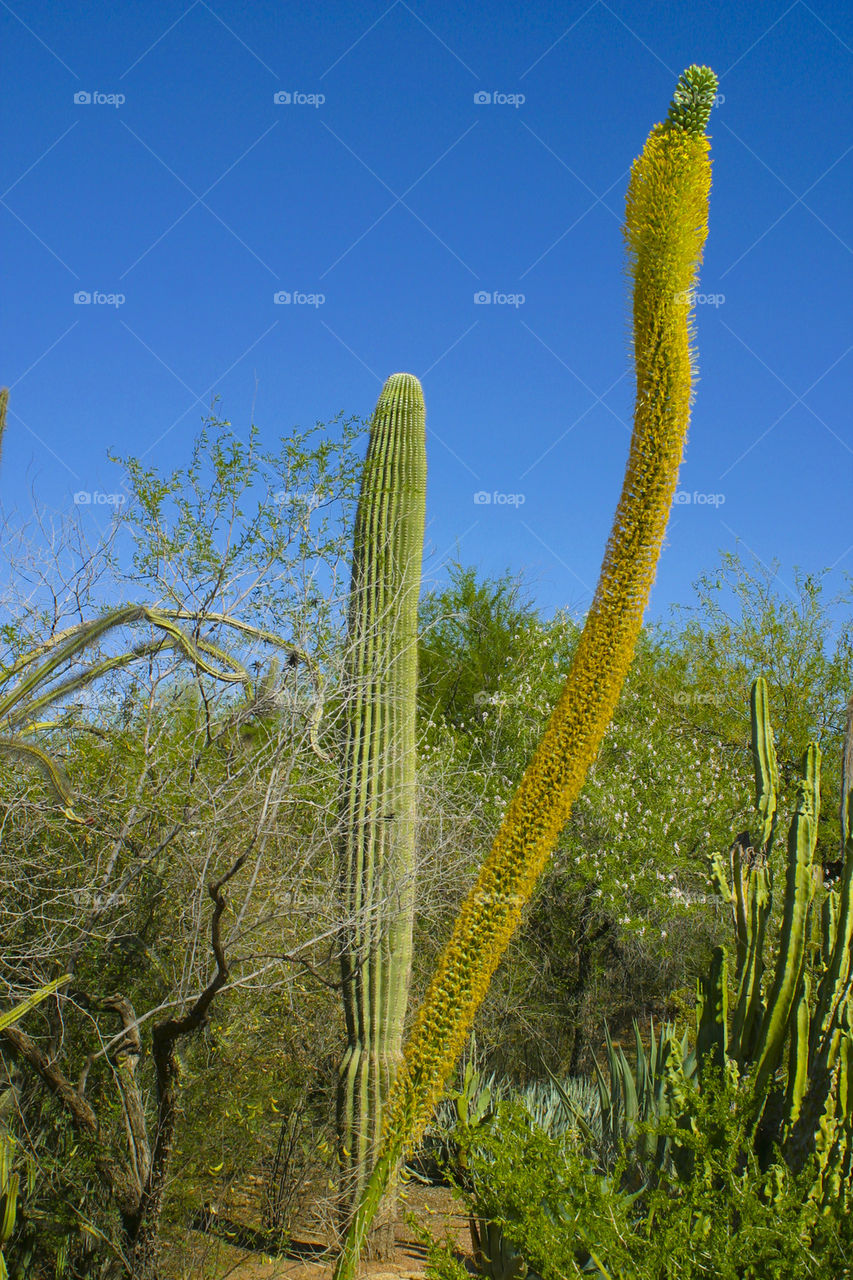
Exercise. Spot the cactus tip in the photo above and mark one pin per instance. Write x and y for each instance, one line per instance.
(402, 380)
(693, 99)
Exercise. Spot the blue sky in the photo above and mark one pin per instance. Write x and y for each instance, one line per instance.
(185, 192)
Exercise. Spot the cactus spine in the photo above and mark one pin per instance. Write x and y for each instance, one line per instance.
(378, 786)
(665, 230)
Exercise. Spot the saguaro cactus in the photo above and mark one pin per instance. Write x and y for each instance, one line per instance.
(378, 788)
(665, 229)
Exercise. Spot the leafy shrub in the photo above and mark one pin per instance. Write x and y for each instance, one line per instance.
(725, 1219)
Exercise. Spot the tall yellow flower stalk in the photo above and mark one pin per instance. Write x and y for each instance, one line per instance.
(666, 224)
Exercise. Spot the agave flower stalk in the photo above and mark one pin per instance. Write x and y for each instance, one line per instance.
(665, 230)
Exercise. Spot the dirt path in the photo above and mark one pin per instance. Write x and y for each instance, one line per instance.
(208, 1256)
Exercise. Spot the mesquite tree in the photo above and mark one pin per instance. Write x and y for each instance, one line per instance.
(176, 782)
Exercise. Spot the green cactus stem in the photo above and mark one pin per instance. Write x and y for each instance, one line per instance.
(712, 1010)
(799, 886)
(378, 782)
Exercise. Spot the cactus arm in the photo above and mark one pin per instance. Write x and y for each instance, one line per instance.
(752, 884)
(798, 1057)
(719, 879)
(665, 230)
(712, 1012)
(12, 1016)
(739, 906)
(764, 758)
(749, 1009)
(834, 985)
(846, 814)
(88, 633)
(828, 927)
(798, 894)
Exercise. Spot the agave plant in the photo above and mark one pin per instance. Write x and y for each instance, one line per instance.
(666, 225)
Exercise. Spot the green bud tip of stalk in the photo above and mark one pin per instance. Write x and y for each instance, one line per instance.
(692, 101)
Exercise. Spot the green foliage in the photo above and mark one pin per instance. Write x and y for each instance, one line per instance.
(273, 525)
(729, 1219)
(621, 917)
(746, 621)
(442, 1260)
(177, 776)
(704, 1153)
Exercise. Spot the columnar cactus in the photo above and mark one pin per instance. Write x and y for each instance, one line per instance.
(800, 1101)
(378, 786)
(800, 1098)
(665, 230)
